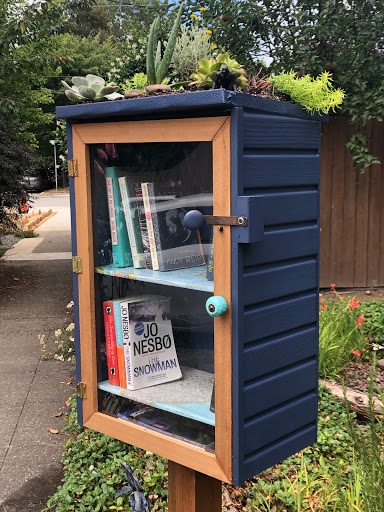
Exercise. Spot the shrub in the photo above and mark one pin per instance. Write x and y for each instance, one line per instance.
(341, 336)
(192, 45)
(314, 94)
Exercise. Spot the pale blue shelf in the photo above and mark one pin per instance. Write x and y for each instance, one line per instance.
(193, 278)
(189, 397)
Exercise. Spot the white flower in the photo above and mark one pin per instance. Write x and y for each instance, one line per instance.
(58, 332)
(70, 327)
(70, 349)
(70, 304)
(41, 338)
(71, 338)
(137, 57)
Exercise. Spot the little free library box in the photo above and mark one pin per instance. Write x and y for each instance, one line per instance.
(195, 224)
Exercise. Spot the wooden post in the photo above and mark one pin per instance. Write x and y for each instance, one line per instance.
(191, 491)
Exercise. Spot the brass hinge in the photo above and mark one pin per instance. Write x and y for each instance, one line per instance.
(72, 168)
(81, 390)
(77, 264)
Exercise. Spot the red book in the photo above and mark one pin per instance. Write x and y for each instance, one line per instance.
(110, 340)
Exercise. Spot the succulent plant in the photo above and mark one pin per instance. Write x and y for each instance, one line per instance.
(157, 67)
(208, 68)
(90, 88)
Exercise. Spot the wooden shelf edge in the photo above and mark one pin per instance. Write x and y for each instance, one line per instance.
(172, 449)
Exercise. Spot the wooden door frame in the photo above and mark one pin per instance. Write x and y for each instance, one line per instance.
(216, 130)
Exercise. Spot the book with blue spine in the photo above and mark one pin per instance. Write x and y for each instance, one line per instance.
(121, 249)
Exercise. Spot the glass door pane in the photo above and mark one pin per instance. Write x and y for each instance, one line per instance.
(155, 341)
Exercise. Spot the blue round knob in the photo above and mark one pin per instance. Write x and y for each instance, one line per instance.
(216, 306)
(193, 219)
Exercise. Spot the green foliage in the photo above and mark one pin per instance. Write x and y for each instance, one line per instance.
(233, 27)
(192, 45)
(19, 233)
(358, 145)
(132, 60)
(138, 81)
(157, 67)
(16, 157)
(208, 68)
(93, 474)
(60, 135)
(85, 55)
(90, 88)
(343, 37)
(369, 452)
(315, 94)
(373, 324)
(341, 336)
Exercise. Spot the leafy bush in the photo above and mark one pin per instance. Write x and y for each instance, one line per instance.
(93, 474)
(373, 325)
(315, 94)
(192, 45)
(138, 81)
(341, 336)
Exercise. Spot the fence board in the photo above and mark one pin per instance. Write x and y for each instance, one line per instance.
(352, 211)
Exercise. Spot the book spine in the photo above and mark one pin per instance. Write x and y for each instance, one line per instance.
(143, 226)
(210, 263)
(151, 235)
(155, 225)
(110, 340)
(111, 208)
(124, 320)
(121, 249)
(128, 221)
(119, 345)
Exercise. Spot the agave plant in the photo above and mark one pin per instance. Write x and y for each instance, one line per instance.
(208, 68)
(92, 88)
(157, 67)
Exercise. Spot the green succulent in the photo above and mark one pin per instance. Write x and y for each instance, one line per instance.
(90, 88)
(157, 67)
(208, 68)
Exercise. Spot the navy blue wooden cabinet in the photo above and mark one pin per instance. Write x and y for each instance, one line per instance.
(274, 152)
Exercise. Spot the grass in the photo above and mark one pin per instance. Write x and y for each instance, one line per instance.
(19, 233)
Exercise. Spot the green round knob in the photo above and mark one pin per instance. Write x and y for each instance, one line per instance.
(216, 306)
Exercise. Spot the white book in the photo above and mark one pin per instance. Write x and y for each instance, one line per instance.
(149, 347)
(132, 222)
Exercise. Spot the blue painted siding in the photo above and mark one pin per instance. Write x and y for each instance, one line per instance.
(275, 322)
(75, 276)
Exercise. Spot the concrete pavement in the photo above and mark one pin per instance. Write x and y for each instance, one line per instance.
(35, 288)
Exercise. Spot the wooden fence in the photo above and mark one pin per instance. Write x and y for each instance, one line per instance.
(351, 211)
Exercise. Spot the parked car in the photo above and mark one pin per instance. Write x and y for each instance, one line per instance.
(37, 180)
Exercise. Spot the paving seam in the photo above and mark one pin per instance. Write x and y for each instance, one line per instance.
(18, 419)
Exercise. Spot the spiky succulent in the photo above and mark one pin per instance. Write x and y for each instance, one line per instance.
(208, 68)
(90, 88)
(157, 67)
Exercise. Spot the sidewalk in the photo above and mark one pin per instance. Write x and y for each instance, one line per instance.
(35, 287)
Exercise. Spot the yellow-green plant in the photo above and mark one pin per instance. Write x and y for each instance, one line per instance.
(314, 94)
(206, 74)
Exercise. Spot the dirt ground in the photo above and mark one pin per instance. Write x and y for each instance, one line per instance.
(364, 294)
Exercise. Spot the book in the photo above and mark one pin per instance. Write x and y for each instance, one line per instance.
(131, 213)
(143, 225)
(150, 348)
(110, 340)
(172, 245)
(210, 262)
(119, 344)
(121, 249)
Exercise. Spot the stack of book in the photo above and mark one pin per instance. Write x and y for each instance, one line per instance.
(139, 342)
(147, 223)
